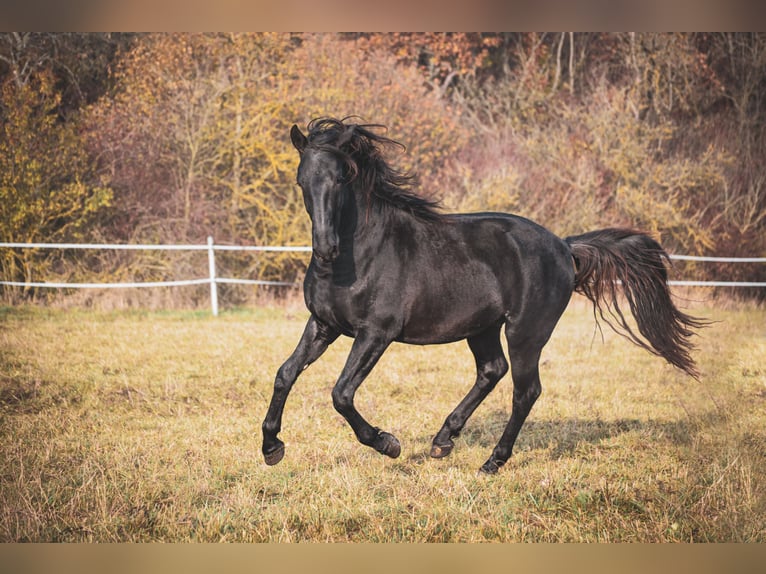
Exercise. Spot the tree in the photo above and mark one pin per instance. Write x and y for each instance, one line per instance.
(48, 188)
(79, 62)
(613, 156)
(195, 136)
(443, 58)
(352, 78)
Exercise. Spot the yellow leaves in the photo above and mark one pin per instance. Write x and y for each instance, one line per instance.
(344, 77)
(577, 165)
(42, 163)
(45, 175)
(99, 198)
(500, 191)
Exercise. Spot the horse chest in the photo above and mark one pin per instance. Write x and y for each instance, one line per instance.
(338, 306)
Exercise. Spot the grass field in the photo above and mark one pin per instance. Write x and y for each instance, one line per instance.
(138, 426)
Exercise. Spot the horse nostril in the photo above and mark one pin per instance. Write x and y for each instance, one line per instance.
(327, 256)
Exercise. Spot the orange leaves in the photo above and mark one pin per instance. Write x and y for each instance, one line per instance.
(438, 55)
(189, 135)
(360, 76)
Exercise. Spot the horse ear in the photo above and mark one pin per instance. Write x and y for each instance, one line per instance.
(346, 136)
(298, 139)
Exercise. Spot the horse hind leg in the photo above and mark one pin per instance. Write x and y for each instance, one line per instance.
(491, 366)
(526, 389)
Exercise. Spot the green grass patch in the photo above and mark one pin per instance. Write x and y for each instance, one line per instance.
(144, 426)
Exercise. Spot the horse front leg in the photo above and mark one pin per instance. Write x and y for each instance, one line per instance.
(314, 341)
(365, 352)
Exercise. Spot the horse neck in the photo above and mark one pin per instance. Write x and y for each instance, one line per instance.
(365, 225)
(372, 218)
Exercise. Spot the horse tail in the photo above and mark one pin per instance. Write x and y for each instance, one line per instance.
(613, 261)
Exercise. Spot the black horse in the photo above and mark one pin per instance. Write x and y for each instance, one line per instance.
(388, 266)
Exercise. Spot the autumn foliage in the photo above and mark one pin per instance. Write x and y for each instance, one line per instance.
(169, 138)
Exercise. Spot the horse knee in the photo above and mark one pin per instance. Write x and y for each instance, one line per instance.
(527, 394)
(491, 372)
(342, 399)
(285, 378)
(281, 384)
(499, 368)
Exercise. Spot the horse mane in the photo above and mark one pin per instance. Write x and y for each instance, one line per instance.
(362, 150)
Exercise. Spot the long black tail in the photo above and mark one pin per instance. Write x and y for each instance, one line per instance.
(610, 262)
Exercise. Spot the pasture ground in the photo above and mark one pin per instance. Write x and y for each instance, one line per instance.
(145, 426)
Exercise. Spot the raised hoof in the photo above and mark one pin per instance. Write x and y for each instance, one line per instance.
(388, 444)
(275, 455)
(489, 467)
(441, 450)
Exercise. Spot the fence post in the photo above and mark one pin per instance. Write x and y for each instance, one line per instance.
(213, 284)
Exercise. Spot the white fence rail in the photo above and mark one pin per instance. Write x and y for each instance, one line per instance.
(213, 280)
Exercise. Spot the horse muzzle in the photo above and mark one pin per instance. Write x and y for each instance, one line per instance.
(326, 252)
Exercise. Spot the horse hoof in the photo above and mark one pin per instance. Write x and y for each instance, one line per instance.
(274, 456)
(490, 467)
(388, 445)
(441, 450)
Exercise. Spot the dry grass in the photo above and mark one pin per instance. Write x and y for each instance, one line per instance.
(136, 426)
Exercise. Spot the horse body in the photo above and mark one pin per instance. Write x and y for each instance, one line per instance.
(438, 282)
(387, 266)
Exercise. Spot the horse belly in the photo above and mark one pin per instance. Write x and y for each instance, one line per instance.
(453, 313)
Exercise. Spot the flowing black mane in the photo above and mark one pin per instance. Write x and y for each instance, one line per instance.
(361, 149)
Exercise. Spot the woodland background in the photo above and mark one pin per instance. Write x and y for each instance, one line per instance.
(169, 138)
